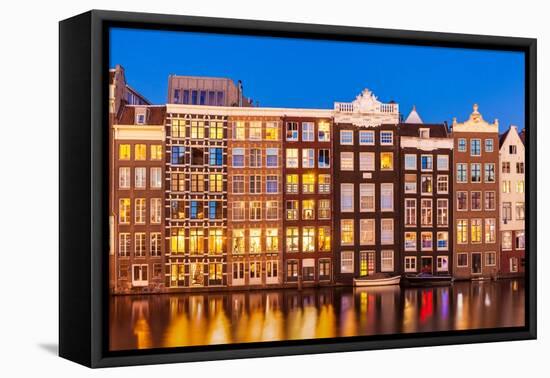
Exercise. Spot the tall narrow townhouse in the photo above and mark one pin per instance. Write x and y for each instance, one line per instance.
(512, 203)
(308, 218)
(137, 199)
(196, 197)
(476, 198)
(255, 198)
(426, 197)
(366, 187)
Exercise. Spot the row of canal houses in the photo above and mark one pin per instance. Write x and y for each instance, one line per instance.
(208, 195)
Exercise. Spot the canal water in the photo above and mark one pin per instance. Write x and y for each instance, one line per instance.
(172, 320)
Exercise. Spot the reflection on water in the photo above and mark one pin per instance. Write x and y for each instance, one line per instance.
(154, 321)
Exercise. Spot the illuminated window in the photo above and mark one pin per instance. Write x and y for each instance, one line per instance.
(292, 210)
(324, 269)
(292, 131)
(178, 128)
(292, 183)
(410, 241)
(324, 184)
(238, 211)
(271, 269)
(346, 262)
(506, 186)
(410, 212)
(386, 161)
(426, 184)
(442, 263)
(520, 210)
(366, 161)
(177, 240)
(324, 209)
(156, 210)
(215, 241)
(308, 183)
(292, 239)
(196, 271)
(442, 212)
(442, 240)
(308, 239)
(272, 210)
(214, 209)
(215, 273)
(292, 270)
(367, 231)
(215, 130)
(426, 241)
(215, 182)
(139, 244)
(507, 240)
(255, 270)
(124, 152)
(140, 152)
(346, 161)
(237, 242)
(346, 236)
(155, 244)
(197, 183)
(124, 244)
(386, 231)
(292, 158)
(156, 152)
(156, 178)
(346, 197)
(255, 130)
(520, 240)
(308, 209)
(177, 182)
(462, 231)
(490, 230)
(272, 131)
(308, 134)
(323, 131)
(324, 239)
(426, 217)
(196, 241)
(476, 230)
(308, 158)
(255, 210)
(255, 240)
(386, 261)
(140, 210)
(196, 209)
(238, 130)
(271, 240)
(197, 130)
(124, 178)
(520, 186)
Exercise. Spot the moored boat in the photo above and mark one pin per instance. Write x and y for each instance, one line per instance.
(427, 279)
(376, 281)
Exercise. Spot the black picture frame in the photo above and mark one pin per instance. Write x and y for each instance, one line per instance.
(83, 195)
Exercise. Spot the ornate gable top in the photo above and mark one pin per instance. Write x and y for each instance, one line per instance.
(475, 123)
(366, 102)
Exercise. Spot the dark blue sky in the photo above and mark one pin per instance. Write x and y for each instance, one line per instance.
(281, 72)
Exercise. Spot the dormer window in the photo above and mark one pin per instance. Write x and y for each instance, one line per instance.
(424, 133)
(140, 119)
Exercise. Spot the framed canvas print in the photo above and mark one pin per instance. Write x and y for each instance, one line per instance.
(234, 188)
